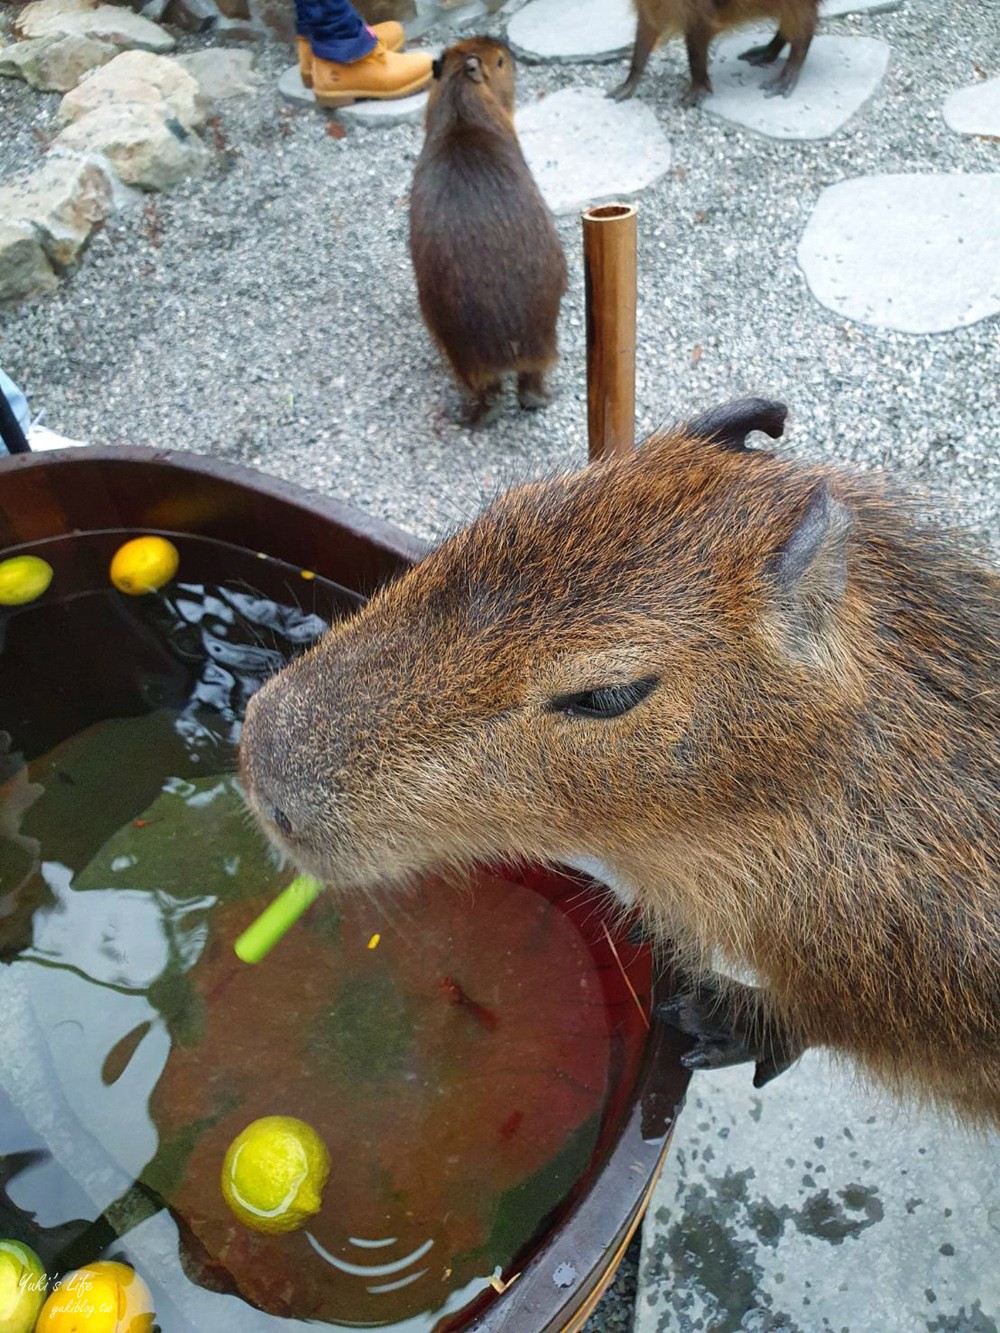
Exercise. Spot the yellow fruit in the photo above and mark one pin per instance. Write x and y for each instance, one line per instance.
(23, 578)
(103, 1297)
(274, 1173)
(144, 564)
(22, 1287)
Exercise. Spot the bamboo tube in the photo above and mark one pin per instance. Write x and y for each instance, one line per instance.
(609, 265)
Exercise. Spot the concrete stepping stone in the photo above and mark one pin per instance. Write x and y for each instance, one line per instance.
(832, 9)
(568, 31)
(974, 110)
(839, 76)
(584, 149)
(916, 253)
(814, 1205)
(374, 114)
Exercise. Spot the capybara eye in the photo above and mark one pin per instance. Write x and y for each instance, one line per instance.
(282, 821)
(499, 62)
(606, 701)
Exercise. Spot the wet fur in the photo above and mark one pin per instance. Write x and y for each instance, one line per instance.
(489, 264)
(812, 792)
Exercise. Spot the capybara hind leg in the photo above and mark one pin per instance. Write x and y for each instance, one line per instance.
(487, 406)
(646, 35)
(800, 37)
(732, 1027)
(696, 39)
(532, 392)
(768, 54)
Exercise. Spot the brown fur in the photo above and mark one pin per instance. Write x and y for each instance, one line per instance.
(489, 265)
(699, 21)
(812, 790)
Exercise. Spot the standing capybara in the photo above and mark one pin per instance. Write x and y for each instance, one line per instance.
(701, 20)
(489, 265)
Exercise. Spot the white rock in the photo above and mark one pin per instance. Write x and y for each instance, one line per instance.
(24, 268)
(222, 73)
(144, 147)
(111, 23)
(55, 64)
(573, 30)
(62, 199)
(584, 149)
(831, 9)
(141, 78)
(838, 77)
(917, 253)
(974, 110)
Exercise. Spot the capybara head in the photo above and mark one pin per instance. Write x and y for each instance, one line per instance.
(629, 655)
(482, 62)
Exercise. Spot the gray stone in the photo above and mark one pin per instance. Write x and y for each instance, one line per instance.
(815, 1204)
(144, 147)
(292, 88)
(584, 149)
(974, 110)
(222, 73)
(839, 75)
(24, 268)
(917, 253)
(573, 30)
(55, 64)
(394, 111)
(831, 9)
(111, 23)
(62, 199)
(140, 78)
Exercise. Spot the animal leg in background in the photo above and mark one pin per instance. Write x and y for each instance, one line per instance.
(767, 54)
(646, 34)
(798, 27)
(696, 39)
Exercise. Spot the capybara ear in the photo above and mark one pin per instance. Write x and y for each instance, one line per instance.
(808, 576)
(729, 425)
(437, 65)
(474, 69)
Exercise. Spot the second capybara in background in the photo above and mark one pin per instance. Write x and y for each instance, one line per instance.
(701, 20)
(489, 264)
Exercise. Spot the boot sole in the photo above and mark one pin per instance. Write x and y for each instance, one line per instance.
(333, 100)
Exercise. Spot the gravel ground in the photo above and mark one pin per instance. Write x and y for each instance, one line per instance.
(266, 313)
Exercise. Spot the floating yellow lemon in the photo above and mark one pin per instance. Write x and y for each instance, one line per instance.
(102, 1297)
(274, 1173)
(23, 578)
(22, 1287)
(144, 564)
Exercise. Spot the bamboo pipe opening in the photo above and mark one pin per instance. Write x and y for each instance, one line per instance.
(609, 260)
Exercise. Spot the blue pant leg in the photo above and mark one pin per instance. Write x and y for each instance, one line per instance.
(335, 29)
